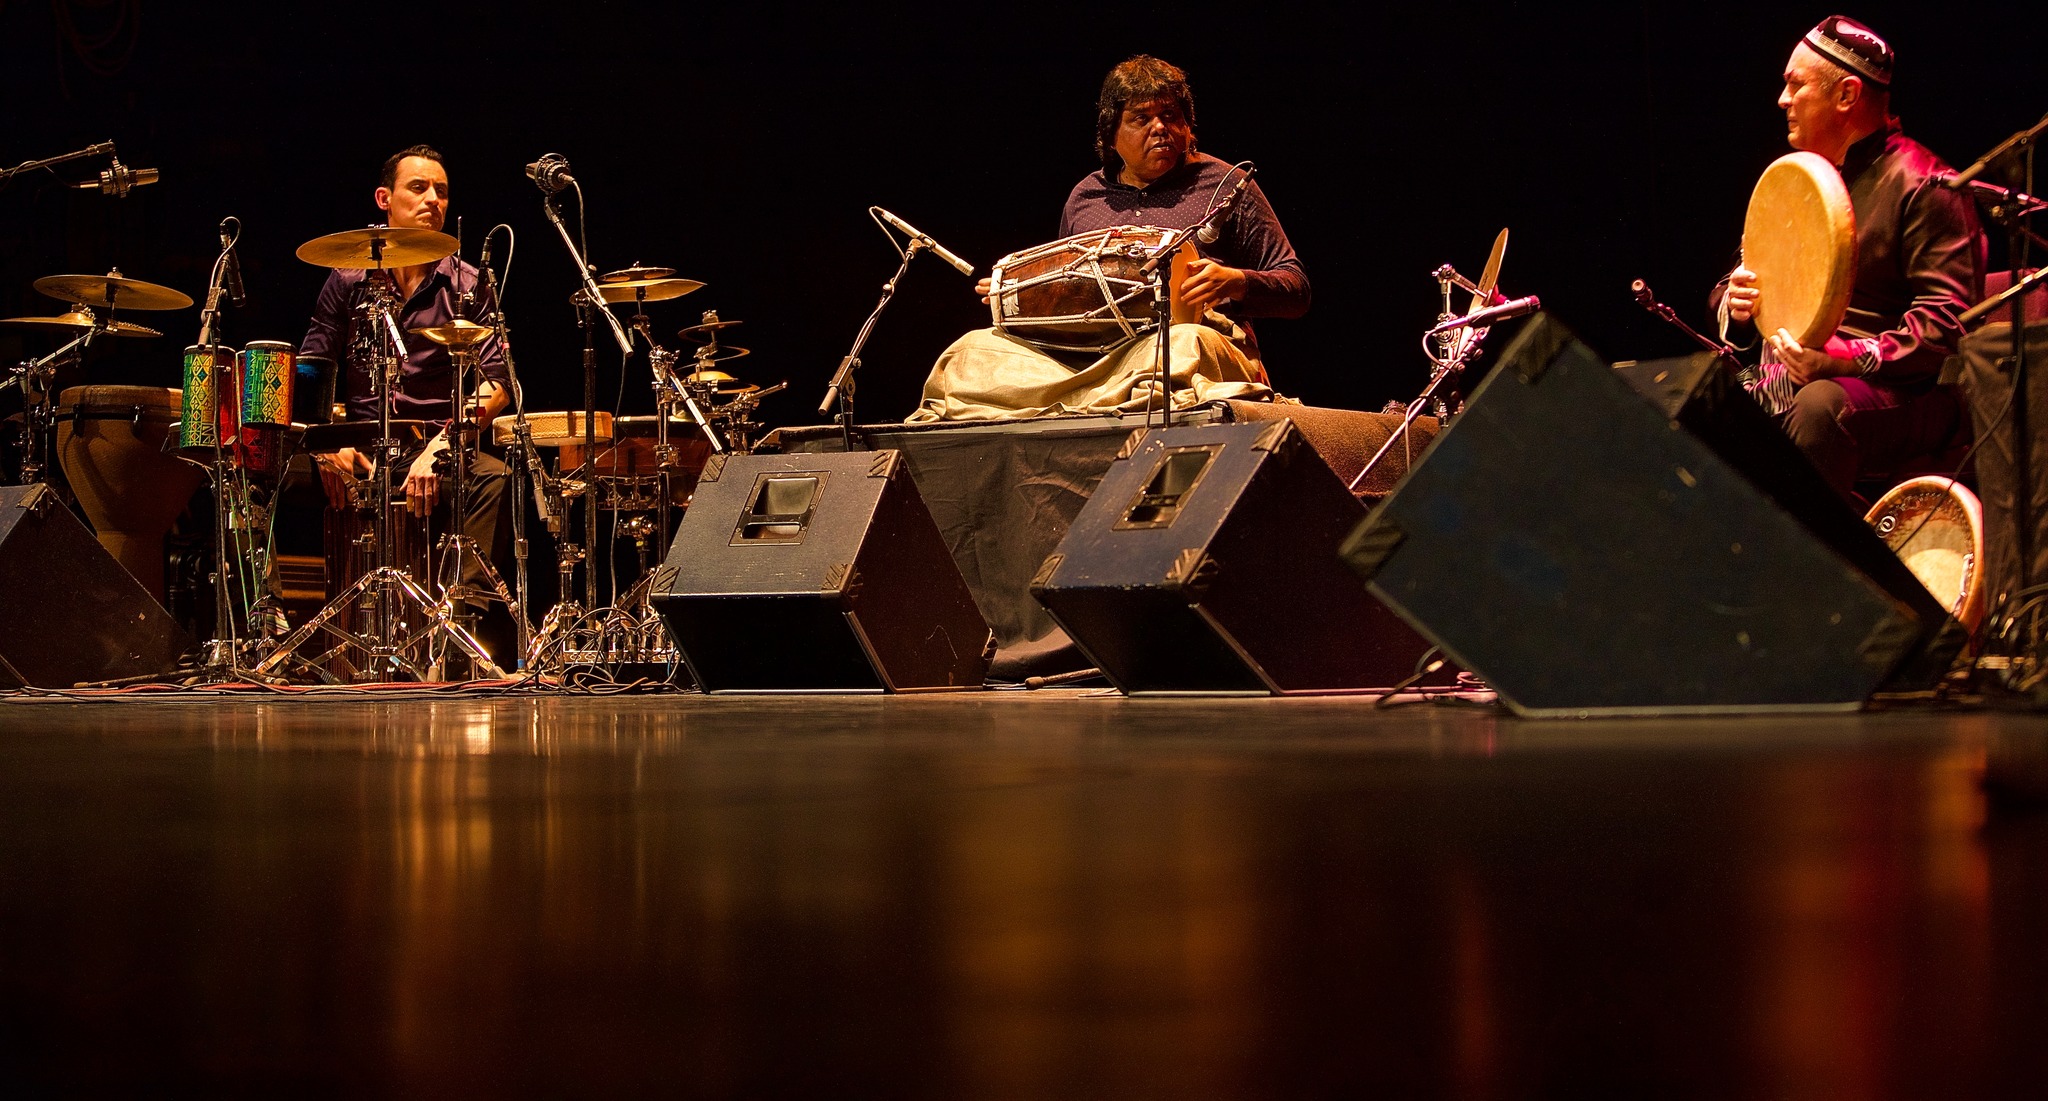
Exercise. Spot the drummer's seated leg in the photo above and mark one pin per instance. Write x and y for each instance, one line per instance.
(1850, 427)
(488, 526)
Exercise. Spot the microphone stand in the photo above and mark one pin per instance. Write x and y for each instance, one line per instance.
(592, 299)
(1159, 271)
(841, 389)
(1647, 299)
(93, 150)
(2012, 215)
(1450, 360)
(523, 460)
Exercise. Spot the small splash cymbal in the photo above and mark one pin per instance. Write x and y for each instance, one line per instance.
(112, 291)
(706, 332)
(636, 273)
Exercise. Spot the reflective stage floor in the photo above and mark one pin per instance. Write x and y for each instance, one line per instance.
(1007, 895)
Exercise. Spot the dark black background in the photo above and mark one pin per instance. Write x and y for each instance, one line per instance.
(741, 145)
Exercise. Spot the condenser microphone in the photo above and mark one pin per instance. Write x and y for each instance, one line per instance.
(941, 251)
(550, 173)
(1210, 232)
(1480, 319)
(118, 180)
(232, 276)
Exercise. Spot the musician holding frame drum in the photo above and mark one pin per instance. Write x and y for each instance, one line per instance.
(1859, 396)
(1072, 330)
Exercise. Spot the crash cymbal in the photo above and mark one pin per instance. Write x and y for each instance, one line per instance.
(635, 273)
(706, 332)
(645, 290)
(111, 290)
(456, 334)
(377, 247)
(78, 320)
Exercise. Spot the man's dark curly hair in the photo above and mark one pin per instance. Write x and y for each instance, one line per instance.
(390, 176)
(1137, 80)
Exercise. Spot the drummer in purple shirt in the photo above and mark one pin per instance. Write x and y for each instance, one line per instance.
(413, 193)
(1151, 175)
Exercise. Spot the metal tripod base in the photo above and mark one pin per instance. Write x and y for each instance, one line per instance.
(394, 651)
(453, 611)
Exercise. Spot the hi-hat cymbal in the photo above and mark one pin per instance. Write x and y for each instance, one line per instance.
(456, 334)
(705, 333)
(377, 247)
(723, 383)
(644, 290)
(111, 290)
(636, 272)
(79, 320)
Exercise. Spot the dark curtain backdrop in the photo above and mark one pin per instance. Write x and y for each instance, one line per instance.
(741, 144)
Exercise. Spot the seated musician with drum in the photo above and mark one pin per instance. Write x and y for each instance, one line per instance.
(1151, 175)
(1867, 401)
(413, 192)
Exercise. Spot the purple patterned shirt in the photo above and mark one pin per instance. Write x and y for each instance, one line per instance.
(424, 382)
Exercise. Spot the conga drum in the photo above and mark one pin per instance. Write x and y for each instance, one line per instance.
(1086, 293)
(1936, 526)
(110, 440)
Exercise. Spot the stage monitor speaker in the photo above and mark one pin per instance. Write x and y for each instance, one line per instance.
(1577, 547)
(818, 572)
(72, 614)
(1206, 562)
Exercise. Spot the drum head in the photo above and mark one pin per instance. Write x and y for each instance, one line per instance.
(1800, 239)
(1937, 528)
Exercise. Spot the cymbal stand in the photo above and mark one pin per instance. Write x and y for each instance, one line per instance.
(453, 617)
(36, 377)
(1453, 352)
(393, 646)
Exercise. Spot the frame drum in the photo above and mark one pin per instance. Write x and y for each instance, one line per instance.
(1937, 527)
(1799, 237)
(111, 442)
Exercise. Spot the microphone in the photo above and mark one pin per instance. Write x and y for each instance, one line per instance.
(118, 180)
(1480, 319)
(1645, 297)
(551, 173)
(922, 238)
(1209, 233)
(232, 275)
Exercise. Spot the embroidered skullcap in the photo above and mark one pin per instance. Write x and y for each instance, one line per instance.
(1854, 47)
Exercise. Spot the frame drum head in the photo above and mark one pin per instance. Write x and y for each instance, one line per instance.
(1800, 239)
(1937, 528)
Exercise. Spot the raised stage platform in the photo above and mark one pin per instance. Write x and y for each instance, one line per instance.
(1012, 894)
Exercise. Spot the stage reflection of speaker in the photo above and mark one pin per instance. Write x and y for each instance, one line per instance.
(1206, 562)
(823, 572)
(1583, 551)
(71, 614)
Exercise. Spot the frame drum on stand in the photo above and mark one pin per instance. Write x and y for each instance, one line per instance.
(1936, 526)
(111, 440)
